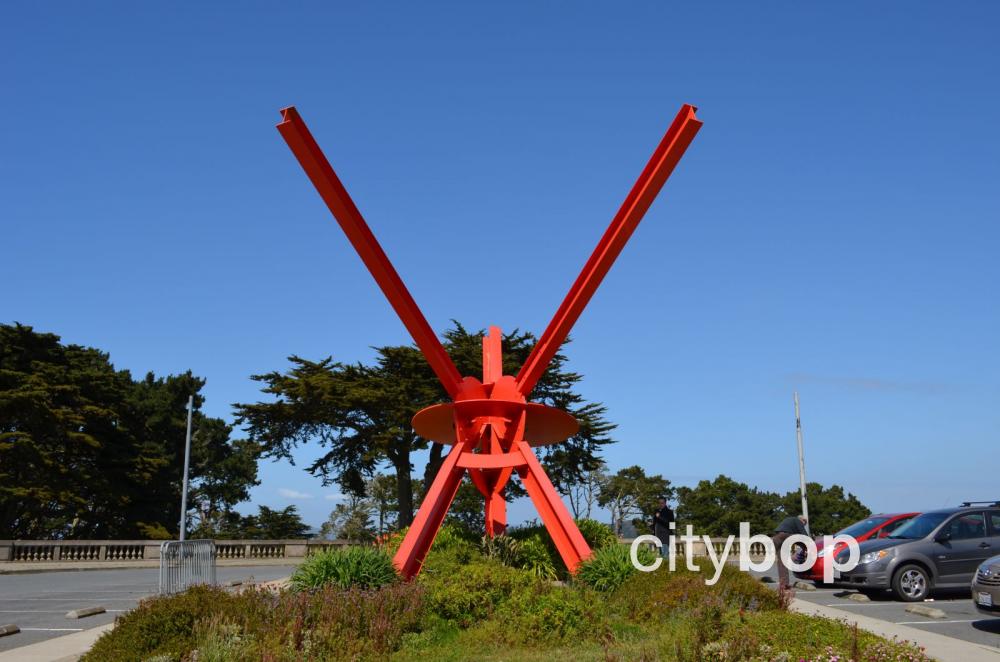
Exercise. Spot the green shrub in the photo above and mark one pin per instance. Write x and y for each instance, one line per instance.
(610, 567)
(550, 613)
(364, 567)
(535, 557)
(597, 534)
(219, 641)
(472, 592)
(325, 624)
(503, 549)
(451, 537)
(159, 626)
(390, 542)
(653, 596)
(538, 552)
(529, 554)
(526, 531)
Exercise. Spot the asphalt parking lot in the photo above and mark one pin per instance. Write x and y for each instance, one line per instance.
(38, 602)
(962, 620)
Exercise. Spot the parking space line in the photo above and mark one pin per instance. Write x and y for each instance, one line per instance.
(51, 629)
(858, 604)
(935, 622)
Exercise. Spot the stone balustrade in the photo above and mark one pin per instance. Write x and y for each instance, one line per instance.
(699, 548)
(74, 551)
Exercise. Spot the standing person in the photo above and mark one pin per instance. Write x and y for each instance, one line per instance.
(662, 519)
(788, 527)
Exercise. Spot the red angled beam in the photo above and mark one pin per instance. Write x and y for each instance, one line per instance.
(295, 132)
(664, 159)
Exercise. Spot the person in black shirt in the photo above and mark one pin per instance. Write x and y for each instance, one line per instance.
(788, 527)
(662, 519)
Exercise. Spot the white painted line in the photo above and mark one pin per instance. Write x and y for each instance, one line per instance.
(858, 604)
(935, 622)
(51, 629)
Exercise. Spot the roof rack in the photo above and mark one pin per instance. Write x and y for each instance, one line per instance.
(991, 502)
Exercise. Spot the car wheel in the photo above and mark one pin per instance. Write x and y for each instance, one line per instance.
(911, 583)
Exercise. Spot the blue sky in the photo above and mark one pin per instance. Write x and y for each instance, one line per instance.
(833, 229)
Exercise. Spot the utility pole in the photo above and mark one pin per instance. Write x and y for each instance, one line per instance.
(187, 463)
(802, 461)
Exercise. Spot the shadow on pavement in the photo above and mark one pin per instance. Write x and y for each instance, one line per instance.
(991, 625)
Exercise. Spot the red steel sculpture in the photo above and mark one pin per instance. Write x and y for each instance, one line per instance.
(490, 424)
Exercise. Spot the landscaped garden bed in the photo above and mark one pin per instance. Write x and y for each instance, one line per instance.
(506, 599)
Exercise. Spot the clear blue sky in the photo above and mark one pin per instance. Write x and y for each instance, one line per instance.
(834, 227)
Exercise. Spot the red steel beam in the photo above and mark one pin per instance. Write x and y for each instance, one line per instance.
(566, 536)
(295, 132)
(417, 542)
(664, 159)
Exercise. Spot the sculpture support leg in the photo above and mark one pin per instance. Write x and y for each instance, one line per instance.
(420, 537)
(496, 513)
(567, 537)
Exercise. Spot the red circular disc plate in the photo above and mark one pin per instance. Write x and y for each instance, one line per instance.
(545, 425)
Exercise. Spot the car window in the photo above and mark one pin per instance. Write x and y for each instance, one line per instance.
(859, 529)
(964, 527)
(892, 526)
(920, 526)
(995, 521)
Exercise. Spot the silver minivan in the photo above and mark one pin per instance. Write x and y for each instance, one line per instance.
(938, 549)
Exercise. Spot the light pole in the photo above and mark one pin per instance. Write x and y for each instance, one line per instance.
(187, 463)
(802, 461)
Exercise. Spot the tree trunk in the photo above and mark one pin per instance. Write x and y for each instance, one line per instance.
(433, 464)
(404, 488)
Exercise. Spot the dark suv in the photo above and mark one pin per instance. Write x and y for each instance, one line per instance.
(939, 549)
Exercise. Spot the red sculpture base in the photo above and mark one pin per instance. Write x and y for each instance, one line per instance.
(492, 428)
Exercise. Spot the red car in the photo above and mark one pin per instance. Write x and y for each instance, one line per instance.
(876, 526)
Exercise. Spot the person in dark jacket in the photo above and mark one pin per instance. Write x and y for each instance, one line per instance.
(662, 519)
(788, 527)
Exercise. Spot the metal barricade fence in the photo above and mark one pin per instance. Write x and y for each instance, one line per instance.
(186, 563)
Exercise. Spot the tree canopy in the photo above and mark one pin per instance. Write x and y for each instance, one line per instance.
(717, 507)
(267, 524)
(630, 494)
(359, 415)
(86, 451)
(830, 509)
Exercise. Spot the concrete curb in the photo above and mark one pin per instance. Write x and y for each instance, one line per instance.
(8, 629)
(67, 648)
(859, 597)
(940, 647)
(85, 611)
(929, 612)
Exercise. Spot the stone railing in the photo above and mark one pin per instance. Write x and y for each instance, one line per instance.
(72, 551)
(699, 548)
